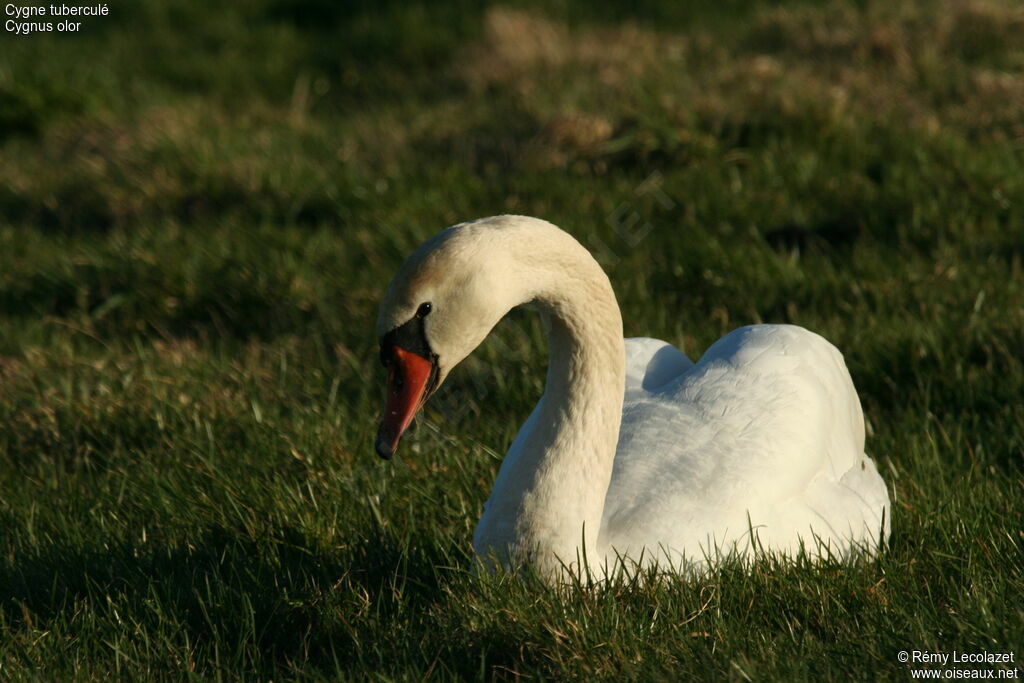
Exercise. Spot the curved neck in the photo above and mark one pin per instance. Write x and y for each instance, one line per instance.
(548, 499)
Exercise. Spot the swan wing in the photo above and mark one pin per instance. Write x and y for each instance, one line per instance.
(652, 363)
(765, 433)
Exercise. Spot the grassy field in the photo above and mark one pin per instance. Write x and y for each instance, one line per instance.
(201, 204)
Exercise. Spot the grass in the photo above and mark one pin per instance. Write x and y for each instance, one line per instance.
(200, 207)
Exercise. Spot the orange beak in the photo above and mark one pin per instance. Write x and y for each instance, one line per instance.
(409, 377)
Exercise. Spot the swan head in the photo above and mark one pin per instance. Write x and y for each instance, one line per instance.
(441, 304)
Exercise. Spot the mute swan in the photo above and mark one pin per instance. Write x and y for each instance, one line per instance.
(633, 453)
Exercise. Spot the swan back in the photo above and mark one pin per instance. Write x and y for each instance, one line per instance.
(765, 431)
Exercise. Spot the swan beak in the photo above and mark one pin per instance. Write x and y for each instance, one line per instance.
(409, 378)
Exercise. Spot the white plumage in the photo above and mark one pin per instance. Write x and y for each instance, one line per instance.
(634, 452)
(764, 432)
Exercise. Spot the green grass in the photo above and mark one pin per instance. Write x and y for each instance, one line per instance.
(200, 207)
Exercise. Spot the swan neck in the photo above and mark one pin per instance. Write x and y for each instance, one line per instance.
(555, 478)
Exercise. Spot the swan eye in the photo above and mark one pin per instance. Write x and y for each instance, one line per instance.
(423, 310)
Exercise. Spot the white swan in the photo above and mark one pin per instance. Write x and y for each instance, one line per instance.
(633, 452)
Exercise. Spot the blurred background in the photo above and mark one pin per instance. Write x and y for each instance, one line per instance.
(177, 172)
(251, 169)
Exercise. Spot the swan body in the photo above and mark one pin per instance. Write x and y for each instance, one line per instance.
(634, 454)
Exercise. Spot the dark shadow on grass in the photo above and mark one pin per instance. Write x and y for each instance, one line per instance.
(279, 597)
(231, 299)
(84, 207)
(840, 232)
